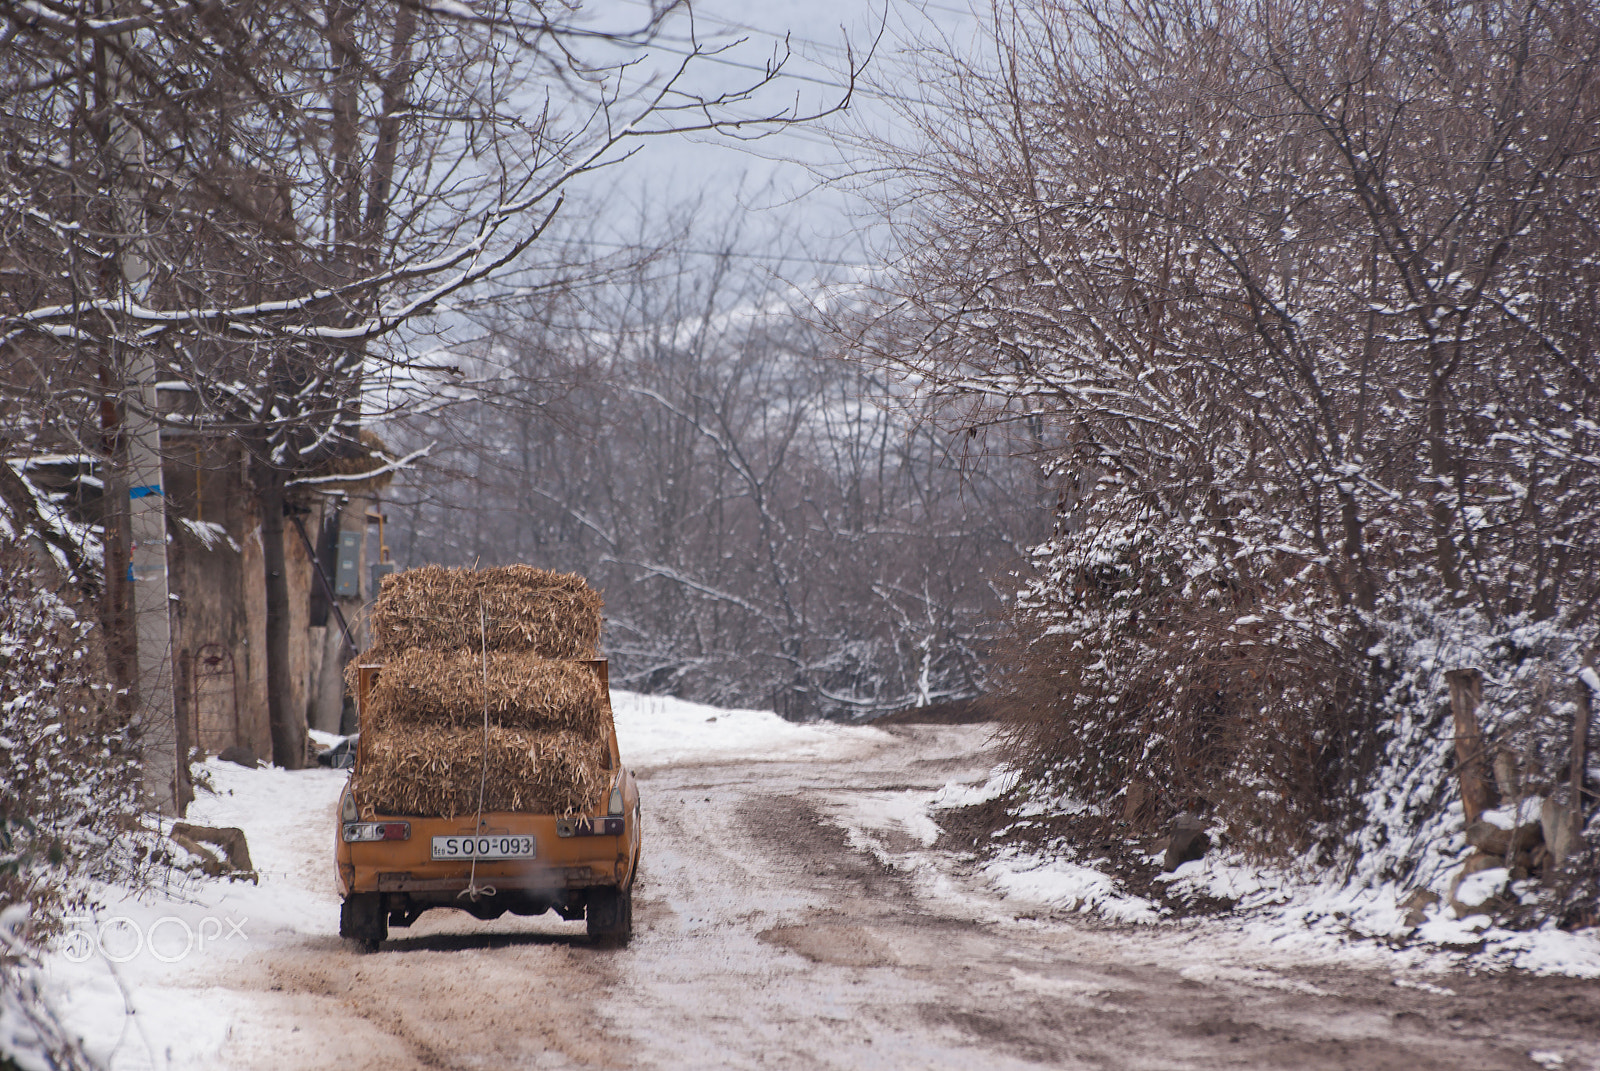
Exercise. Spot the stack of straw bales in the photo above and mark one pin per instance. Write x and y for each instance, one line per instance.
(455, 643)
(528, 610)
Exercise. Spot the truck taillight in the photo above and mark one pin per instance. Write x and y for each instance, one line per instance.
(347, 806)
(590, 827)
(358, 832)
(616, 801)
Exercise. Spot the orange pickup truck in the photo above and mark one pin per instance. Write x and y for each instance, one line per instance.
(393, 867)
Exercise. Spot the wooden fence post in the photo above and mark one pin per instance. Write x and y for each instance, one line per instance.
(1466, 692)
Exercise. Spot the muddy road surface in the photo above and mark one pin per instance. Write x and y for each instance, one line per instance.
(786, 921)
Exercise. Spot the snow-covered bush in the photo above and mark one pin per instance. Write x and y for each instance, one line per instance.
(1296, 304)
(1162, 668)
(1154, 675)
(69, 802)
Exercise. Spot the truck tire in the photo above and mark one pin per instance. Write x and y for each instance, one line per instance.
(610, 916)
(362, 919)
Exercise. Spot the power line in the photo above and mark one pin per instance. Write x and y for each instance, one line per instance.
(879, 94)
(812, 42)
(857, 89)
(725, 24)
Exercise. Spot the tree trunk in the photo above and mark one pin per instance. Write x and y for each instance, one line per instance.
(1442, 512)
(183, 698)
(1355, 553)
(116, 610)
(288, 725)
(1588, 684)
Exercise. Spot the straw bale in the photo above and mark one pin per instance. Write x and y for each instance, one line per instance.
(553, 615)
(446, 688)
(433, 772)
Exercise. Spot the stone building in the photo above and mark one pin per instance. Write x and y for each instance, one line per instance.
(333, 550)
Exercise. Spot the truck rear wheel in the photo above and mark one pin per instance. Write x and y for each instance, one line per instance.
(362, 918)
(610, 916)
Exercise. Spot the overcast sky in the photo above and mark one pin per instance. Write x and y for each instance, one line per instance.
(773, 191)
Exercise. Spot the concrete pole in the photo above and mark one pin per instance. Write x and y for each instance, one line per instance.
(153, 712)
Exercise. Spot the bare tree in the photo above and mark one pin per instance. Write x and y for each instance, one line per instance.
(769, 525)
(1301, 295)
(306, 185)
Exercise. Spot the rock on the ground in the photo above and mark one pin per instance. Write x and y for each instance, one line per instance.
(1416, 906)
(1491, 839)
(1187, 843)
(241, 756)
(229, 838)
(210, 865)
(1559, 830)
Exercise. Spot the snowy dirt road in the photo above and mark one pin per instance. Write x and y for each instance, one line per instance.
(788, 919)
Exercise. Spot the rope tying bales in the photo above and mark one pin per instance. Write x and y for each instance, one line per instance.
(463, 720)
(473, 890)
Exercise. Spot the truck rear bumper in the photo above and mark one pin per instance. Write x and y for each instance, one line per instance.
(540, 881)
(563, 862)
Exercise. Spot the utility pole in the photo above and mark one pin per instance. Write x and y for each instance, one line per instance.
(137, 486)
(154, 711)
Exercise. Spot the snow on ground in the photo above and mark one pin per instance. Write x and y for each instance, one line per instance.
(142, 977)
(655, 730)
(133, 977)
(1066, 886)
(1317, 918)
(136, 977)
(1321, 916)
(900, 829)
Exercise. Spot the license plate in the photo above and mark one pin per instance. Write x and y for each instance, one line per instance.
(484, 846)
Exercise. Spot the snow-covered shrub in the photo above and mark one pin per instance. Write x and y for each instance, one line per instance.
(32, 1035)
(1155, 675)
(1162, 668)
(1314, 372)
(69, 801)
